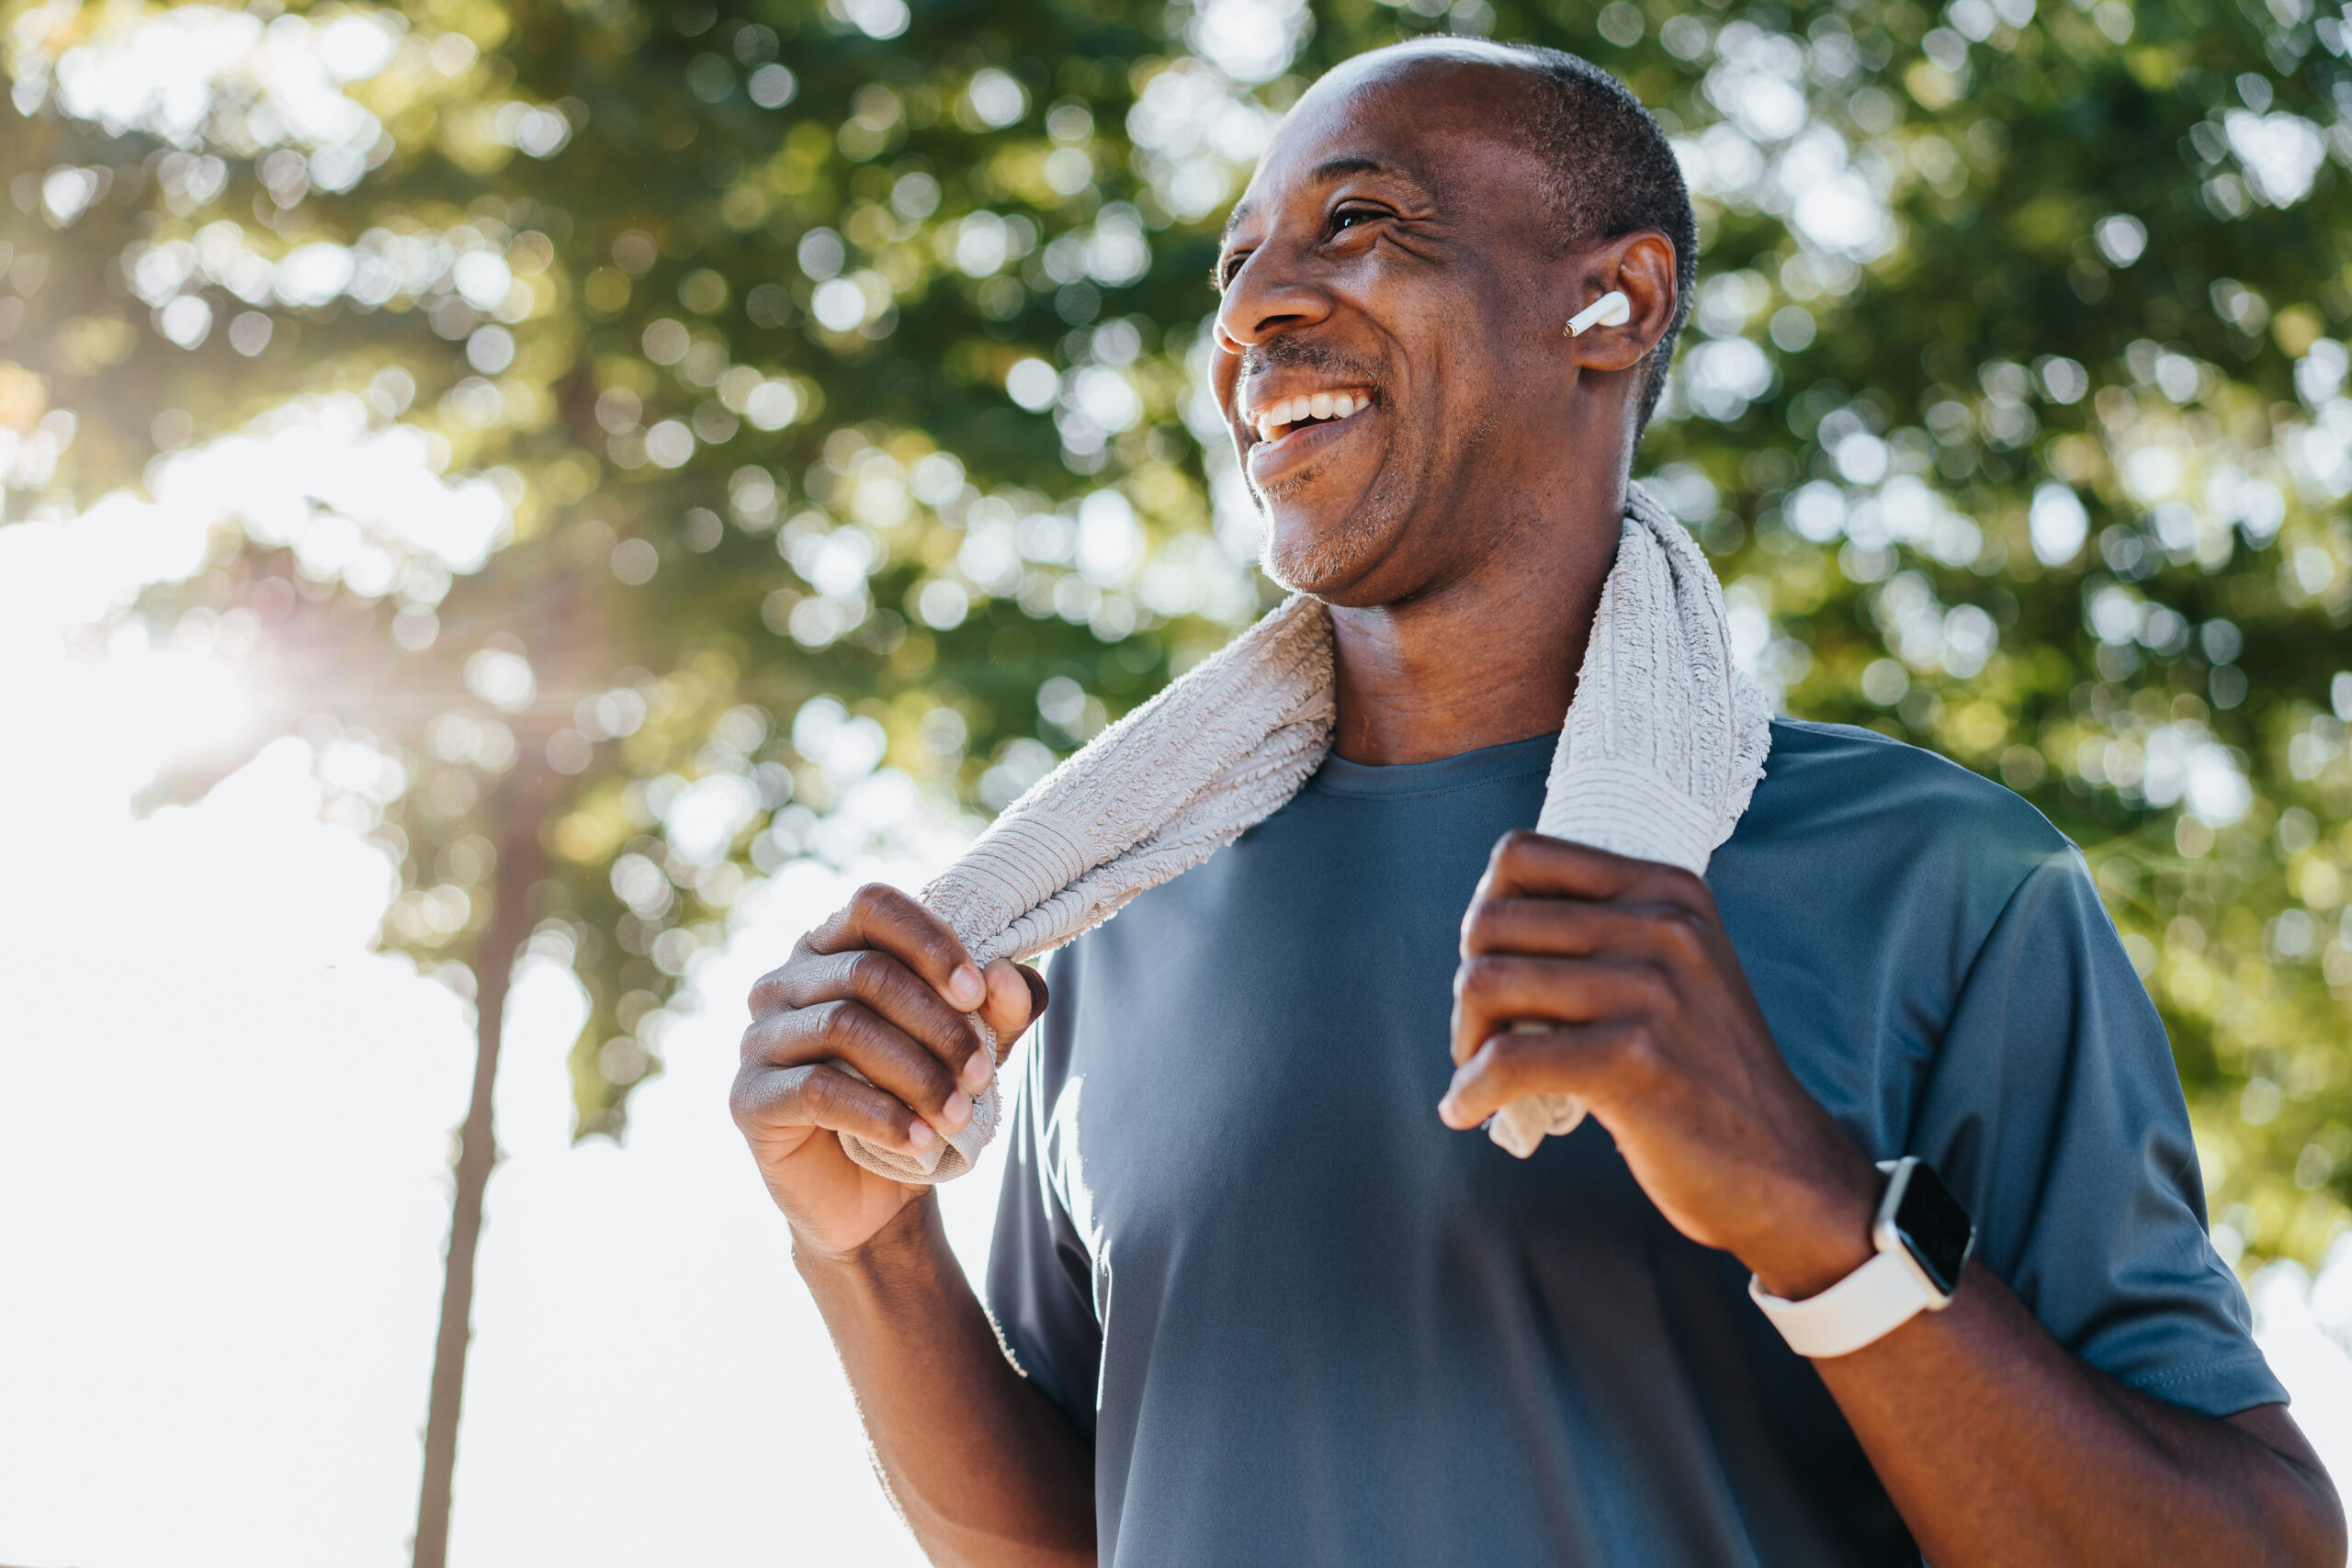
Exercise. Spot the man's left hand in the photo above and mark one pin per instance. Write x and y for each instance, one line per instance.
(1647, 1017)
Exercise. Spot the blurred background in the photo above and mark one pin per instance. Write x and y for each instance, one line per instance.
(511, 508)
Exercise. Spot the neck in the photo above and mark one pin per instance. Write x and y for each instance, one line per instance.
(1486, 658)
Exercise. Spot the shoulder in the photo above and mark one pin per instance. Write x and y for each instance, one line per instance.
(1835, 778)
(1850, 820)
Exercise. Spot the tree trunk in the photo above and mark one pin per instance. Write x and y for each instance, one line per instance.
(521, 861)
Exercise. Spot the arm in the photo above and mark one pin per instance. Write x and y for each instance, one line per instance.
(2028, 1456)
(983, 1467)
(980, 1464)
(2023, 1455)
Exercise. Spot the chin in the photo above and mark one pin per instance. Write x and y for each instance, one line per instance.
(1323, 549)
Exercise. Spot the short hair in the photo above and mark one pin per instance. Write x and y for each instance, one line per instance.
(1612, 173)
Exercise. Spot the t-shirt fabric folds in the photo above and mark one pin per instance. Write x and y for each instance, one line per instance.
(1302, 1322)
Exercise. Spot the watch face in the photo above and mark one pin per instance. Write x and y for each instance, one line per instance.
(1935, 1230)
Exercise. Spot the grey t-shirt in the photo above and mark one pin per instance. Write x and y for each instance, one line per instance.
(1304, 1323)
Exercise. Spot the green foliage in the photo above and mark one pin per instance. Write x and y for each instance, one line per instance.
(2011, 414)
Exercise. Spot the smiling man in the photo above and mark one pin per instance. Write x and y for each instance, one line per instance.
(1263, 1295)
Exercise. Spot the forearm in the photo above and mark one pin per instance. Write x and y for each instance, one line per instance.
(984, 1469)
(2000, 1448)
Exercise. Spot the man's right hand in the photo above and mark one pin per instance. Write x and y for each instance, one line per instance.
(884, 986)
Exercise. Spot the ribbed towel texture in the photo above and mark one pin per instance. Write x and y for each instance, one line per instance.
(1662, 747)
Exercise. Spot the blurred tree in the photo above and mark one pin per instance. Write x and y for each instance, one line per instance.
(816, 388)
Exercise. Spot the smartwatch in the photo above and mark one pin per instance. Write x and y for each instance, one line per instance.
(1924, 1238)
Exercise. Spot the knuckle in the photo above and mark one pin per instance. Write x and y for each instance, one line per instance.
(875, 900)
(1633, 1049)
(742, 1100)
(773, 992)
(844, 1099)
(1687, 890)
(765, 1097)
(827, 936)
(1681, 937)
(867, 971)
(1511, 1058)
(1479, 973)
(821, 1093)
(893, 990)
(840, 1026)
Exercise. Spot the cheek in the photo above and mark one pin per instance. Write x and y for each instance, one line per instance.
(1225, 374)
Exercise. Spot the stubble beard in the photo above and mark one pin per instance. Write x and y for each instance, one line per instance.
(1329, 559)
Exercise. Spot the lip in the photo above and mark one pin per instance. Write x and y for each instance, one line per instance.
(1269, 460)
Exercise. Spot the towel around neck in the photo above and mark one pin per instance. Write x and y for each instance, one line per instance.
(1662, 747)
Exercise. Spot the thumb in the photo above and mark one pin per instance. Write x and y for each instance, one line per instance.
(1016, 995)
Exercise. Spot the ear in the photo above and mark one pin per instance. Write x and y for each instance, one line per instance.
(1639, 266)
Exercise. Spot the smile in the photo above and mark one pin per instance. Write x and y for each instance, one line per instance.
(1307, 410)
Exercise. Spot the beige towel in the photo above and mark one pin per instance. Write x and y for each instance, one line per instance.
(1662, 745)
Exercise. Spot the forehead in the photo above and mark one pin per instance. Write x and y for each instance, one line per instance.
(1447, 117)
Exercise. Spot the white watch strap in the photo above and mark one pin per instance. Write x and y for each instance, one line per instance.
(1867, 1305)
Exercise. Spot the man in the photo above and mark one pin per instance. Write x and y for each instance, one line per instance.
(1264, 1295)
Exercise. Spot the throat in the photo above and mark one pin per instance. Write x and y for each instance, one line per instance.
(1419, 704)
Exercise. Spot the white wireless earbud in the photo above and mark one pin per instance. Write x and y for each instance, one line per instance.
(1611, 309)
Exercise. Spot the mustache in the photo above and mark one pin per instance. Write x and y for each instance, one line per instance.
(1287, 352)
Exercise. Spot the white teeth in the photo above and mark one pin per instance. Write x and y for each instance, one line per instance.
(1277, 419)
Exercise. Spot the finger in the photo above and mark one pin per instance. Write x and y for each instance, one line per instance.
(884, 983)
(1493, 991)
(768, 1098)
(893, 1060)
(881, 916)
(1579, 1059)
(1527, 863)
(1007, 1009)
(1563, 928)
(1015, 998)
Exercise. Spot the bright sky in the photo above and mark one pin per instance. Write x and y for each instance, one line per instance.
(225, 1128)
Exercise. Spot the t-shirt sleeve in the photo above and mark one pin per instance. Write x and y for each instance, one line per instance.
(1040, 1275)
(2055, 1113)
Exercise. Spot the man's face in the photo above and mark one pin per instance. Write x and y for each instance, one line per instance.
(1393, 301)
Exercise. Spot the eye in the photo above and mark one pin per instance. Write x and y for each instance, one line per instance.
(1230, 268)
(1353, 215)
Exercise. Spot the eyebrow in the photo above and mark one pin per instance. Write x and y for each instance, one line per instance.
(1323, 174)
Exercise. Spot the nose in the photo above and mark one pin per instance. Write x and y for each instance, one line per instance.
(1270, 295)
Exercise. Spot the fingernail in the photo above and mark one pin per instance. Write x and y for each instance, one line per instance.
(957, 1110)
(919, 1137)
(977, 1071)
(965, 989)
